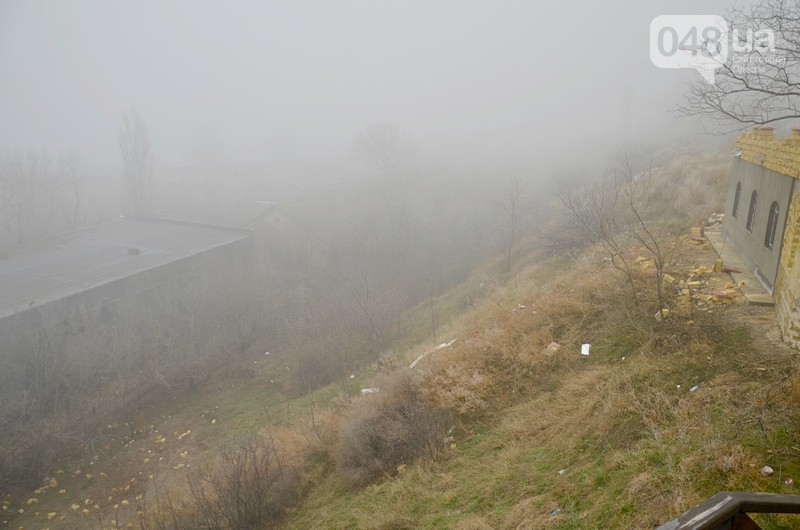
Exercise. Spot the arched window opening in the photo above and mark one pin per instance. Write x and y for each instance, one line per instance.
(772, 225)
(736, 199)
(751, 214)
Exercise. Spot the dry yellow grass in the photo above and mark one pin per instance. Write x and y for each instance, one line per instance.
(613, 440)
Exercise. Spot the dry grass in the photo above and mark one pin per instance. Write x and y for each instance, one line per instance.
(613, 440)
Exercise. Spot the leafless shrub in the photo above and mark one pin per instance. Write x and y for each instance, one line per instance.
(385, 430)
(251, 485)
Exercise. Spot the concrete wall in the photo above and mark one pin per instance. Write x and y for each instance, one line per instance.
(771, 187)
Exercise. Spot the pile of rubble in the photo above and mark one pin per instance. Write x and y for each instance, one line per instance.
(704, 289)
(700, 288)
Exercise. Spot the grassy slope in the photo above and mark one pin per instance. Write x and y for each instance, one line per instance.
(611, 443)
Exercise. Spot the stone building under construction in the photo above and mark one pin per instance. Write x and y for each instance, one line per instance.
(762, 218)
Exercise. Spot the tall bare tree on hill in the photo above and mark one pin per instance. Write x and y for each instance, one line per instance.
(383, 147)
(134, 144)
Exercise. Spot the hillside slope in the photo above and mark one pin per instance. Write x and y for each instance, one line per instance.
(658, 417)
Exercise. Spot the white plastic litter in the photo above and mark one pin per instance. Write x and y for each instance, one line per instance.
(365, 391)
(767, 471)
(425, 354)
(585, 349)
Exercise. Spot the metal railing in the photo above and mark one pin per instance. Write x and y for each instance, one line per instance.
(727, 510)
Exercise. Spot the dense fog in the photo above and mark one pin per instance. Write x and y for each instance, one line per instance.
(189, 189)
(473, 82)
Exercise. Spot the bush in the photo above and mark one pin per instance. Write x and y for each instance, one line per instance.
(251, 485)
(385, 430)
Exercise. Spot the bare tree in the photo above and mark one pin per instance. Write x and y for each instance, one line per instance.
(620, 211)
(383, 147)
(45, 190)
(69, 174)
(760, 82)
(513, 210)
(134, 143)
(31, 193)
(12, 193)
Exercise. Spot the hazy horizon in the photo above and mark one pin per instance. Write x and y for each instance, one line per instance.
(252, 81)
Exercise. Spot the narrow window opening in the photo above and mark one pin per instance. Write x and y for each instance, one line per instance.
(751, 214)
(736, 199)
(772, 225)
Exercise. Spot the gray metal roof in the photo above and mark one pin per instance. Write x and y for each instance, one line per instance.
(77, 261)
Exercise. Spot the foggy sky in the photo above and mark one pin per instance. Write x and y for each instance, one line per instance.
(252, 80)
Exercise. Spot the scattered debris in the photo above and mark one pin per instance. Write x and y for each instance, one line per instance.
(694, 388)
(552, 347)
(555, 512)
(585, 349)
(729, 270)
(562, 471)
(365, 391)
(789, 481)
(662, 314)
(767, 471)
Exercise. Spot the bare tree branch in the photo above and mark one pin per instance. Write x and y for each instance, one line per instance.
(756, 86)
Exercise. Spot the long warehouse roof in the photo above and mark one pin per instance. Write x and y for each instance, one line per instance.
(77, 261)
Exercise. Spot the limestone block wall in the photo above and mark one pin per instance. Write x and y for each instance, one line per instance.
(787, 286)
(760, 146)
